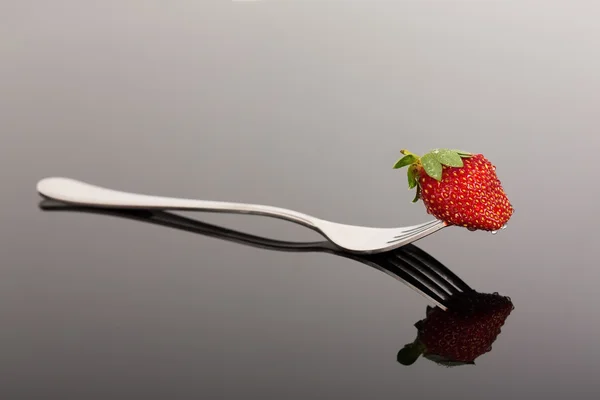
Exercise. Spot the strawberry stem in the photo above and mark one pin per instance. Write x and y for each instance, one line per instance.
(408, 153)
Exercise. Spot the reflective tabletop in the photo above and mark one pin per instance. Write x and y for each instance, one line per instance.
(301, 105)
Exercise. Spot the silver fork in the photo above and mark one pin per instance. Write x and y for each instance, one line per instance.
(356, 239)
(408, 264)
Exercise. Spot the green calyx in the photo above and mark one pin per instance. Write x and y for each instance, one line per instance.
(432, 163)
(410, 353)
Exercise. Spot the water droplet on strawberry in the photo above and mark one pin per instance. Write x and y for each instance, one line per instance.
(503, 226)
(494, 232)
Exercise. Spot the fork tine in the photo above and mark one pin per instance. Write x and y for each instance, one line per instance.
(414, 230)
(410, 273)
(398, 271)
(416, 273)
(427, 259)
(420, 227)
(426, 269)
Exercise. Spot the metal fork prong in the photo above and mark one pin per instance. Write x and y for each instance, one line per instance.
(419, 276)
(426, 270)
(431, 271)
(399, 273)
(419, 227)
(425, 227)
(414, 230)
(427, 259)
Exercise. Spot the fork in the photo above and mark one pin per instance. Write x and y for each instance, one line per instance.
(408, 264)
(352, 238)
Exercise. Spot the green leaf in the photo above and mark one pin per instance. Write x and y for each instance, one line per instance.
(448, 157)
(417, 195)
(404, 161)
(412, 176)
(464, 154)
(432, 166)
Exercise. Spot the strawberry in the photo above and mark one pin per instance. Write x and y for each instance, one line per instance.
(458, 188)
(459, 335)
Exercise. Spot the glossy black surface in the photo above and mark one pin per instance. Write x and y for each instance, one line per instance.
(304, 106)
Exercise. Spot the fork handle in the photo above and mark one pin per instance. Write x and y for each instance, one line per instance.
(72, 191)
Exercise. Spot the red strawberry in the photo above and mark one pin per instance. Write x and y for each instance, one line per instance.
(458, 188)
(459, 335)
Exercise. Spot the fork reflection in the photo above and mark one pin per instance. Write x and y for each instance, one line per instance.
(408, 264)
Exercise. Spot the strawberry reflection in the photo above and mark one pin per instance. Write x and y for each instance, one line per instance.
(461, 334)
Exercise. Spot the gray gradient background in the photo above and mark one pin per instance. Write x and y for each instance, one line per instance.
(301, 105)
